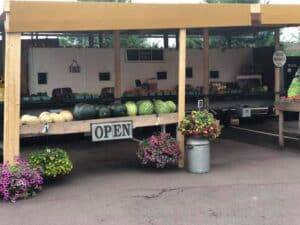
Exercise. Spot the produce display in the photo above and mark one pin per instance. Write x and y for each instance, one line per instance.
(118, 110)
(83, 111)
(294, 89)
(47, 117)
(145, 107)
(29, 119)
(132, 109)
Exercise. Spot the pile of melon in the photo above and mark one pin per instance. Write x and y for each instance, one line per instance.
(47, 117)
(147, 107)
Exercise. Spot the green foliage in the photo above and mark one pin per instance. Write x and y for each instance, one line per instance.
(55, 162)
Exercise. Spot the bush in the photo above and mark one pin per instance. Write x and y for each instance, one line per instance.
(55, 162)
(161, 149)
(19, 181)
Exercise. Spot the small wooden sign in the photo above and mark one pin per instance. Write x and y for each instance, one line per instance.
(111, 131)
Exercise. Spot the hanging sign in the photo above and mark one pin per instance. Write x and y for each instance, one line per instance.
(74, 67)
(279, 58)
(111, 131)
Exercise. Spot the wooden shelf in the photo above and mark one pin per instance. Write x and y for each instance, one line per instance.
(290, 106)
(84, 126)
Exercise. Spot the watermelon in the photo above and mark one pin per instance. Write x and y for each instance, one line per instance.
(118, 109)
(172, 106)
(103, 111)
(84, 112)
(131, 108)
(161, 107)
(145, 107)
(294, 89)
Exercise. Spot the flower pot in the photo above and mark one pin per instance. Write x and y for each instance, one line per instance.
(197, 155)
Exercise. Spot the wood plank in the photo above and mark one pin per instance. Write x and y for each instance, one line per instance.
(280, 14)
(89, 16)
(206, 67)
(293, 106)
(12, 97)
(117, 64)
(181, 89)
(84, 126)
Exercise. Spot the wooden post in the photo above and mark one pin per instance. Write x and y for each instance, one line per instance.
(117, 63)
(206, 67)
(12, 97)
(281, 124)
(166, 41)
(277, 69)
(181, 89)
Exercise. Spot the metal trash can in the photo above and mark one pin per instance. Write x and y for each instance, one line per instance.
(197, 155)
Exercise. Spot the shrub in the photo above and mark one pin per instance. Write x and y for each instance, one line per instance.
(161, 149)
(19, 181)
(200, 124)
(55, 162)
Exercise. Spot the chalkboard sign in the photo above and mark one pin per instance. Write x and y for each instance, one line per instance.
(104, 76)
(145, 55)
(42, 78)
(157, 55)
(189, 72)
(214, 74)
(161, 75)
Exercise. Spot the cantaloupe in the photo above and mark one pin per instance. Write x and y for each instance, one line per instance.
(56, 118)
(67, 115)
(28, 120)
(45, 117)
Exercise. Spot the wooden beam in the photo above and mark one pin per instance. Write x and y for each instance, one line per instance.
(117, 63)
(84, 126)
(280, 14)
(277, 69)
(12, 97)
(94, 16)
(206, 67)
(181, 89)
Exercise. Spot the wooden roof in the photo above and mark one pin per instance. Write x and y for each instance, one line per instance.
(43, 16)
(28, 16)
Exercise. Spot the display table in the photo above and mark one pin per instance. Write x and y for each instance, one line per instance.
(287, 106)
(84, 126)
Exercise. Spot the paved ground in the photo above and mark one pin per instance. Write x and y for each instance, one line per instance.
(247, 185)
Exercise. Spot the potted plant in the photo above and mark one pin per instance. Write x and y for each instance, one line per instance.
(159, 150)
(200, 127)
(19, 181)
(54, 161)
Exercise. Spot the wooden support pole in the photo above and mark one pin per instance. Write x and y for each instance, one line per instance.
(206, 67)
(117, 63)
(181, 89)
(166, 41)
(12, 97)
(277, 69)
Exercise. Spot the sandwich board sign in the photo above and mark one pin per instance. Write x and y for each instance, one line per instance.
(111, 131)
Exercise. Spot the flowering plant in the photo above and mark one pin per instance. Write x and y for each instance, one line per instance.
(201, 124)
(160, 149)
(55, 162)
(19, 181)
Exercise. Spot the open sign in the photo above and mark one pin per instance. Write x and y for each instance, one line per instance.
(111, 131)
